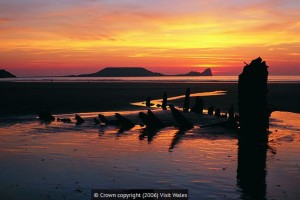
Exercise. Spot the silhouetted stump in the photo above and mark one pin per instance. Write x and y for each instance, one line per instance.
(151, 121)
(125, 123)
(148, 101)
(145, 119)
(155, 120)
(210, 110)
(186, 105)
(104, 120)
(165, 101)
(218, 112)
(252, 93)
(46, 116)
(231, 112)
(180, 119)
(198, 106)
(79, 119)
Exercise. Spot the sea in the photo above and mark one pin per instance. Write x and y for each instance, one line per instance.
(160, 79)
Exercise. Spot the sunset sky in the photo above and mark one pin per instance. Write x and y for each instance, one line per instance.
(171, 36)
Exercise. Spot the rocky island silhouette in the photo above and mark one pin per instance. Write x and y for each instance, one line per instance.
(135, 72)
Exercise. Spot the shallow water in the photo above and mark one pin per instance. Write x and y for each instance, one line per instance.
(152, 79)
(65, 161)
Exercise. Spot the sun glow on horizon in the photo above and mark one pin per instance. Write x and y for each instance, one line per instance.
(160, 34)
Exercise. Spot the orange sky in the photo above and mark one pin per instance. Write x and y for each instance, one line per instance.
(171, 36)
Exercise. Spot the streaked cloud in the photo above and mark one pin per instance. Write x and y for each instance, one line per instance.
(153, 33)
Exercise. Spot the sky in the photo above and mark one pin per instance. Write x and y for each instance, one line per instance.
(66, 37)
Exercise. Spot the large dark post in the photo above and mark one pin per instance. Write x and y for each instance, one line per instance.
(254, 124)
(252, 93)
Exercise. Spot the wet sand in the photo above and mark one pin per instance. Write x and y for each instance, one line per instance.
(64, 161)
(29, 98)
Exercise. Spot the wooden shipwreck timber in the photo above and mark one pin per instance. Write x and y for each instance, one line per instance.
(160, 117)
(253, 119)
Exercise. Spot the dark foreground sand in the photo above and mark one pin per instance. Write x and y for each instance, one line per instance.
(29, 98)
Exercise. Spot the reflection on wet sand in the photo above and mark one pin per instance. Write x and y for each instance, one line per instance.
(150, 134)
(205, 160)
(251, 169)
(176, 138)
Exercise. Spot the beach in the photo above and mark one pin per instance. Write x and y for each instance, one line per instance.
(26, 98)
(66, 161)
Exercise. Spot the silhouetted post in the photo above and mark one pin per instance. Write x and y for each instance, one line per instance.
(252, 87)
(231, 112)
(254, 123)
(210, 110)
(125, 123)
(198, 106)
(218, 112)
(186, 105)
(79, 119)
(165, 101)
(148, 101)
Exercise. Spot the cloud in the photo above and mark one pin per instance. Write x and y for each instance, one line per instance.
(155, 33)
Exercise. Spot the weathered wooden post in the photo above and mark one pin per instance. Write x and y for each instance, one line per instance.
(198, 106)
(165, 101)
(148, 102)
(252, 94)
(254, 124)
(186, 105)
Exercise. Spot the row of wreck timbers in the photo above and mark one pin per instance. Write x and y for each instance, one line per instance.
(253, 122)
(253, 114)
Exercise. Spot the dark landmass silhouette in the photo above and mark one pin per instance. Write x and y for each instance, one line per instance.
(122, 71)
(6, 74)
(135, 72)
(206, 72)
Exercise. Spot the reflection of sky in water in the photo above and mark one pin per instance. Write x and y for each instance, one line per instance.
(200, 94)
(66, 161)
